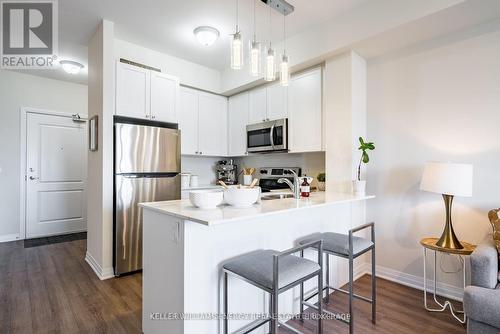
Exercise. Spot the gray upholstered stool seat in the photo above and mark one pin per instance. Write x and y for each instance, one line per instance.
(349, 247)
(339, 243)
(274, 272)
(257, 267)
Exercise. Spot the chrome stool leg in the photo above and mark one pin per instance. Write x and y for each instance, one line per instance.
(327, 278)
(301, 294)
(374, 286)
(351, 289)
(226, 320)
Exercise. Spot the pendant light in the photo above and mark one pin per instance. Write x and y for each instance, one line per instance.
(284, 66)
(237, 46)
(255, 56)
(270, 72)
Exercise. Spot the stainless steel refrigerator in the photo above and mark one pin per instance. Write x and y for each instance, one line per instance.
(147, 166)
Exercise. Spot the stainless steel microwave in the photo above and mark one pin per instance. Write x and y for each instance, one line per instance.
(268, 136)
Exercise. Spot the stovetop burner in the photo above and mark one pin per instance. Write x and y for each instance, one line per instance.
(269, 177)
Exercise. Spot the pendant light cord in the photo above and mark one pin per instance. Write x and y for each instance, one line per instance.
(237, 14)
(254, 26)
(270, 26)
(284, 34)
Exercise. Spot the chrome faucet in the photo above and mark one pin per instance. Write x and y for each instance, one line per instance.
(295, 186)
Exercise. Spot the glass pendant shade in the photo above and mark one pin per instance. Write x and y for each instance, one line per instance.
(284, 71)
(237, 52)
(270, 71)
(255, 56)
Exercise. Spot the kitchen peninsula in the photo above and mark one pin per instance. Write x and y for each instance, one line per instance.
(184, 249)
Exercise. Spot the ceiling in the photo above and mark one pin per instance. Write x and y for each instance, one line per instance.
(167, 25)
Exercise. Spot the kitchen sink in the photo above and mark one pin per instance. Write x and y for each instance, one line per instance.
(277, 196)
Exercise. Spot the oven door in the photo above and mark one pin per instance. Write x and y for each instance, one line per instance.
(268, 136)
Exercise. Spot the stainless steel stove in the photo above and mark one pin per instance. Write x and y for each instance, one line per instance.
(269, 177)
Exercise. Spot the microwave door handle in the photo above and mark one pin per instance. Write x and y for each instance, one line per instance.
(271, 135)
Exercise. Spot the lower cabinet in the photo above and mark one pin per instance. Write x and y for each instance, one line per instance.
(203, 123)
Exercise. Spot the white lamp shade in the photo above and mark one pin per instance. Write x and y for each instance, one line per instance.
(447, 178)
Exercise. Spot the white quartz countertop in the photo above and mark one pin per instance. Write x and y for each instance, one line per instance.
(224, 213)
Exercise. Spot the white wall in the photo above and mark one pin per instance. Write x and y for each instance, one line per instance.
(189, 73)
(23, 90)
(439, 101)
(101, 99)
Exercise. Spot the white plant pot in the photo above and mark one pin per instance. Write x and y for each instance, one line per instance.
(247, 180)
(359, 187)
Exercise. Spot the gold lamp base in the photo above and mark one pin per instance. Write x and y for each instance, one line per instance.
(448, 238)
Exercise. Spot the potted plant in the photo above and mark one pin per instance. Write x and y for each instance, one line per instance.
(321, 181)
(358, 185)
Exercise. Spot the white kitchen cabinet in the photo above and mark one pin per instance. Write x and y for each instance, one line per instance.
(146, 94)
(203, 123)
(188, 120)
(305, 112)
(212, 126)
(164, 97)
(277, 102)
(257, 105)
(132, 91)
(237, 123)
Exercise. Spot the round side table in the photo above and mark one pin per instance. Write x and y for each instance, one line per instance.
(430, 244)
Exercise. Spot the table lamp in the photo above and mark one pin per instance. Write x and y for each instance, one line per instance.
(448, 179)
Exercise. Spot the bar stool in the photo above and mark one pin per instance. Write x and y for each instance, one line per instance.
(348, 247)
(274, 272)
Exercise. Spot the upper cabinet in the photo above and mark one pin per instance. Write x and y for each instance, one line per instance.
(238, 107)
(305, 112)
(277, 102)
(267, 103)
(257, 105)
(146, 94)
(188, 120)
(132, 91)
(203, 123)
(164, 97)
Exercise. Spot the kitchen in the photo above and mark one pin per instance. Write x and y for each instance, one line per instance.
(211, 167)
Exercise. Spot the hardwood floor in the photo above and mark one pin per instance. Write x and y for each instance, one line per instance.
(51, 289)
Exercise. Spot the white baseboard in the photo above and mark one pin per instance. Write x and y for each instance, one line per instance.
(412, 281)
(9, 237)
(102, 273)
(417, 282)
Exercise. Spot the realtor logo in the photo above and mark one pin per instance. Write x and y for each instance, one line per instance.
(29, 34)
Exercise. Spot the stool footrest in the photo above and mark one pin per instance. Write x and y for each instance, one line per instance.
(252, 326)
(368, 300)
(290, 328)
(311, 305)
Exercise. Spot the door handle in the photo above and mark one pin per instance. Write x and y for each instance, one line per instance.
(33, 178)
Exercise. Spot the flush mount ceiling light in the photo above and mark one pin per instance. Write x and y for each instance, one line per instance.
(206, 35)
(71, 67)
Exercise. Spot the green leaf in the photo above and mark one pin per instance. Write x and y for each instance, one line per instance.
(365, 158)
(361, 141)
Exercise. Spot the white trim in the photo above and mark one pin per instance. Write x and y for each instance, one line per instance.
(412, 281)
(9, 237)
(417, 282)
(102, 273)
(22, 175)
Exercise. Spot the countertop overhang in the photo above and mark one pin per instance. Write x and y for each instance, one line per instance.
(183, 209)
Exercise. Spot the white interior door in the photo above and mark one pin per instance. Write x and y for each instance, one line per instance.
(56, 159)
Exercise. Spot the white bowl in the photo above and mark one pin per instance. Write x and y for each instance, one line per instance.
(206, 199)
(241, 197)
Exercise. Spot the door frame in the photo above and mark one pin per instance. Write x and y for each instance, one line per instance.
(24, 111)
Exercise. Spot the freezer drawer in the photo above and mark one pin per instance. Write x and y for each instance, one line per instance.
(129, 191)
(146, 149)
